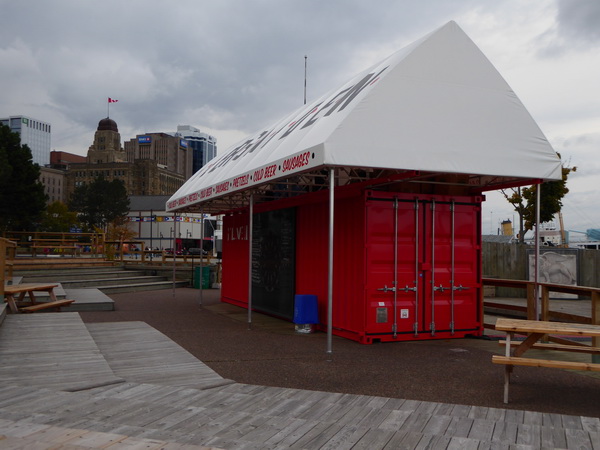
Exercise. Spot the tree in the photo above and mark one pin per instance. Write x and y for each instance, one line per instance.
(58, 218)
(100, 203)
(118, 232)
(22, 198)
(524, 201)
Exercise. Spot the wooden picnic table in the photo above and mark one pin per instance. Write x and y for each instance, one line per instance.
(535, 330)
(29, 289)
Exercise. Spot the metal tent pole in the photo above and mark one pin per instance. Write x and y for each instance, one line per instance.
(416, 324)
(453, 268)
(433, 288)
(537, 252)
(330, 264)
(201, 277)
(395, 325)
(174, 253)
(250, 225)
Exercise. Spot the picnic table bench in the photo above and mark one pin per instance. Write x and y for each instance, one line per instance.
(536, 330)
(29, 289)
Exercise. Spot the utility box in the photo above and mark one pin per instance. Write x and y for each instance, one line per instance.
(206, 277)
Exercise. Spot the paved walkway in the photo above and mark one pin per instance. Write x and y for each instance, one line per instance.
(157, 395)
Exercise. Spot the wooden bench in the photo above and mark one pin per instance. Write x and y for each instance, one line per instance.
(46, 305)
(536, 330)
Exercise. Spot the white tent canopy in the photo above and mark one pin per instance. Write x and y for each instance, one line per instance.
(438, 106)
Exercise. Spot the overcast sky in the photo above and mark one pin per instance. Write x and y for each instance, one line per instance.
(231, 67)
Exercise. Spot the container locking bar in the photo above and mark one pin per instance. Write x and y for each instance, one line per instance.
(460, 287)
(442, 288)
(387, 289)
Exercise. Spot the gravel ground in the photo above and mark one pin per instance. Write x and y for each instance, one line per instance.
(457, 371)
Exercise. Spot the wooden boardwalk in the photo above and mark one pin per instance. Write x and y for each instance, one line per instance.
(139, 353)
(51, 350)
(150, 393)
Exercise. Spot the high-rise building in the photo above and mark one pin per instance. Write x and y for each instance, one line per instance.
(149, 164)
(169, 152)
(34, 133)
(203, 145)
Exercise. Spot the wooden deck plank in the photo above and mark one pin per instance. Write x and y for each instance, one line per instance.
(140, 353)
(151, 410)
(51, 350)
(374, 438)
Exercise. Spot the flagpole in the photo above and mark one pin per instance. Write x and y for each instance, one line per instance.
(305, 60)
(108, 109)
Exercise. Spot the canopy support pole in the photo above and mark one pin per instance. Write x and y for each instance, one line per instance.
(330, 264)
(250, 232)
(201, 277)
(174, 252)
(537, 252)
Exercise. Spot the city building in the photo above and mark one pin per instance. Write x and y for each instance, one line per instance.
(54, 182)
(52, 175)
(150, 164)
(62, 160)
(34, 133)
(203, 145)
(171, 153)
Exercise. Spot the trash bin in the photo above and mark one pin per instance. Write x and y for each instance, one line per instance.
(305, 313)
(205, 277)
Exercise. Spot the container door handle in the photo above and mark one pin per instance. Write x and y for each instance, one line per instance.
(387, 289)
(460, 287)
(441, 288)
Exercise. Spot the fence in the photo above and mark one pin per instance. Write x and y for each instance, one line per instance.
(7, 256)
(511, 261)
(545, 312)
(57, 243)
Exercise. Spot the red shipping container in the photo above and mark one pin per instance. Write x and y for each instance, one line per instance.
(406, 266)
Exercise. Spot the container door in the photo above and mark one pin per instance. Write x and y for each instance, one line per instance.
(451, 253)
(422, 267)
(392, 250)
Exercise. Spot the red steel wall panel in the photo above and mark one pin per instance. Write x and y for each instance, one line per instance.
(312, 260)
(234, 287)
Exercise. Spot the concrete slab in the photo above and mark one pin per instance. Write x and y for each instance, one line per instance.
(89, 299)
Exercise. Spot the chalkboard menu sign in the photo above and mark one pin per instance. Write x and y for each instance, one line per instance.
(274, 261)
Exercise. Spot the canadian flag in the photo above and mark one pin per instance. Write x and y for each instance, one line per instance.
(112, 100)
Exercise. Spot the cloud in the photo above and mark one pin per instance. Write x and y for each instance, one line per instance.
(575, 28)
(579, 20)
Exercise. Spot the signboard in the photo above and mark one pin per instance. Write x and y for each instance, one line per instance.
(273, 262)
(144, 139)
(557, 266)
